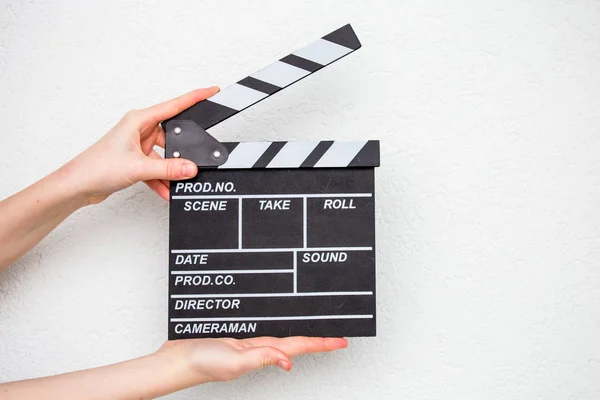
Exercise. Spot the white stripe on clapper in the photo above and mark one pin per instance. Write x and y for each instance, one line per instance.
(322, 52)
(237, 97)
(233, 271)
(280, 74)
(301, 294)
(292, 154)
(340, 154)
(295, 255)
(240, 223)
(271, 250)
(268, 196)
(246, 154)
(290, 318)
(304, 223)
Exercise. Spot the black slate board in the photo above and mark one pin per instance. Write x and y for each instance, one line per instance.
(306, 267)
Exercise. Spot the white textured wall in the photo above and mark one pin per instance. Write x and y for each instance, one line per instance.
(488, 195)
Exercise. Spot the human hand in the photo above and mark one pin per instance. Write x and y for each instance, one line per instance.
(125, 155)
(209, 360)
(177, 365)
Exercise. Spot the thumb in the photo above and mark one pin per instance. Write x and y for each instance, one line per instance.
(170, 169)
(260, 357)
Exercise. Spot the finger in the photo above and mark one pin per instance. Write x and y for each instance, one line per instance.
(261, 357)
(297, 345)
(157, 156)
(169, 169)
(170, 108)
(156, 137)
(159, 188)
(149, 141)
(160, 137)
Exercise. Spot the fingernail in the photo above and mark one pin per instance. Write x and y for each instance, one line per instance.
(337, 343)
(188, 170)
(284, 365)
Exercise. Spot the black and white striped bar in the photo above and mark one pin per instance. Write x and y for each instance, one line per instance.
(302, 154)
(273, 78)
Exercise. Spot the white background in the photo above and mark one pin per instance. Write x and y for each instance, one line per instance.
(488, 196)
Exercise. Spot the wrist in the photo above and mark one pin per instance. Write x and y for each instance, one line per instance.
(178, 358)
(69, 184)
(76, 184)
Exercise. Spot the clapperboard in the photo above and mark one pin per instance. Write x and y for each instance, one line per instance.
(271, 238)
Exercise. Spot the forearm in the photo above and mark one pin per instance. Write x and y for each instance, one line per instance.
(118, 160)
(28, 216)
(147, 377)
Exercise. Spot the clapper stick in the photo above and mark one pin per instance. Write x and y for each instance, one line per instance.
(271, 238)
(186, 134)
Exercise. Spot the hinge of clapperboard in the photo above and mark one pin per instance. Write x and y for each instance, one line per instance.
(186, 134)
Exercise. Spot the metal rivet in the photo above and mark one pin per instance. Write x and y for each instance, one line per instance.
(176, 154)
(216, 154)
(177, 130)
